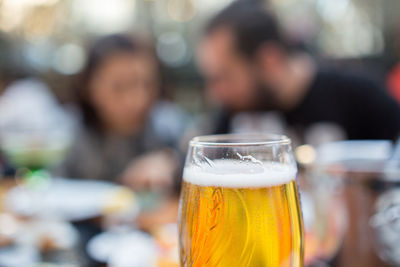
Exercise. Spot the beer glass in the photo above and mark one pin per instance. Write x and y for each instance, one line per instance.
(239, 203)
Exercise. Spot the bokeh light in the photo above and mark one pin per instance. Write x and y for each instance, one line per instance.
(69, 59)
(101, 17)
(181, 10)
(172, 49)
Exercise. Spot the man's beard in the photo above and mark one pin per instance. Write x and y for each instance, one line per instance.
(265, 98)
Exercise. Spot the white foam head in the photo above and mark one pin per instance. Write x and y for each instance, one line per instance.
(239, 174)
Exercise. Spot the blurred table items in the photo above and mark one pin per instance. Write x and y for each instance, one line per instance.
(35, 131)
(18, 256)
(34, 241)
(124, 247)
(166, 237)
(38, 220)
(324, 210)
(47, 235)
(72, 200)
(359, 166)
(386, 222)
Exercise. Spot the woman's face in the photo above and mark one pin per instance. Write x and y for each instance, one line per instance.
(122, 91)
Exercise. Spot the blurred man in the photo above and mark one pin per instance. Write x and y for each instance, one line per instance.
(248, 66)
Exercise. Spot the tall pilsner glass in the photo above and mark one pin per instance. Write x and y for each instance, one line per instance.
(239, 204)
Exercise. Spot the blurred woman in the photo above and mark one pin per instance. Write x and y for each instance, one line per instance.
(118, 87)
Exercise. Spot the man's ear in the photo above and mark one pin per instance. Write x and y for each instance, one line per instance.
(269, 58)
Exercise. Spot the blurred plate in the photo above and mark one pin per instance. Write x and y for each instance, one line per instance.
(72, 200)
(355, 155)
(47, 235)
(123, 247)
(19, 256)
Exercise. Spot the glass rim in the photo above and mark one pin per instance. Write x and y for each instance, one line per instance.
(240, 139)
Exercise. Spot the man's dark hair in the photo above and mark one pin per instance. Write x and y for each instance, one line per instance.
(251, 24)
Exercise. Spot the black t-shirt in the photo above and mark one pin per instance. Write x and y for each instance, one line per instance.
(357, 104)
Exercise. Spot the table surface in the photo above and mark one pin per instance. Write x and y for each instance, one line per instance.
(148, 221)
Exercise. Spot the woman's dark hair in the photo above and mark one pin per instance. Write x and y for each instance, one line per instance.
(99, 52)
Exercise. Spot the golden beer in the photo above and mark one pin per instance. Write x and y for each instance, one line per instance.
(240, 219)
